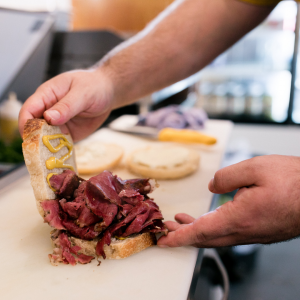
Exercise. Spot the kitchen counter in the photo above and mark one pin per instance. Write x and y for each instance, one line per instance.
(156, 273)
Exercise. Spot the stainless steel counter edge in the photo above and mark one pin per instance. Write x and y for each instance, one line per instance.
(191, 295)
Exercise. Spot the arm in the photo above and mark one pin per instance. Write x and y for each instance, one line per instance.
(182, 40)
(179, 42)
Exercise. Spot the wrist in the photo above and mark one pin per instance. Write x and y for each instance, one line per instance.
(105, 87)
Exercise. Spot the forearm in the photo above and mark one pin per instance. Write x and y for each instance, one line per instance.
(179, 42)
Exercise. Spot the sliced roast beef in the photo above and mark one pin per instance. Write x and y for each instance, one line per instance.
(118, 228)
(152, 204)
(104, 205)
(140, 208)
(99, 205)
(137, 224)
(99, 227)
(130, 193)
(65, 184)
(63, 253)
(85, 233)
(124, 210)
(74, 249)
(69, 257)
(72, 208)
(81, 188)
(87, 218)
(131, 197)
(52, 213)
(103, 186)
(157, 227)
(84, 259)
(153, 215)
(142, 186)
(106, 240)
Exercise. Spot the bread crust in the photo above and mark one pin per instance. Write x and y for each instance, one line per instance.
(35, 155)
(179, 171)
(32, 126)
(118, 249)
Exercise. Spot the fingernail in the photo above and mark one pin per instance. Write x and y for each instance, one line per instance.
(163, 246)
(53, 114)
(211, 183)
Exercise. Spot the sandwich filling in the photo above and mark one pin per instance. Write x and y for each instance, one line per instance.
(101, 208)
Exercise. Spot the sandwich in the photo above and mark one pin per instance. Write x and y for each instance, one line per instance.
(103, 216)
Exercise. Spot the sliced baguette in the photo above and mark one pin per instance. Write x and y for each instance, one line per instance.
(178, 171)
(36, 154)
(118, 249)
(95, 157)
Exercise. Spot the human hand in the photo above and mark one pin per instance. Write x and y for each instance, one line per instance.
(266, 208)
(77, 101)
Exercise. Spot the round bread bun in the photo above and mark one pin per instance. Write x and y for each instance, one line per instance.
(185, 167)
(95, 157)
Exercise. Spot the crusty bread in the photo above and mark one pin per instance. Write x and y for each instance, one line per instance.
(36, 154)
(118, 249)
(95, 157)
(177, 171)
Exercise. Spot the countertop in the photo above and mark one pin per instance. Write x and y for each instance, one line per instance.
(155, 273)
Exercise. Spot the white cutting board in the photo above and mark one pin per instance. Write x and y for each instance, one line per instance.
(155, 273)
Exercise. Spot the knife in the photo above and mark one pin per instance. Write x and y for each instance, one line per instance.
(126, 124)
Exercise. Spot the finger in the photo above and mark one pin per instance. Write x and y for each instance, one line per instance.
(230, 224)
(221, 227)
(45, 96)
(233, 177)
(183, 236)
(32, 108)
(184, 218)
(66, 108)
(93, 124)
(172, 226)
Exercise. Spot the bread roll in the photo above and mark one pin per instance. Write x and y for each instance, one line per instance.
(95, 157)
(164, 162)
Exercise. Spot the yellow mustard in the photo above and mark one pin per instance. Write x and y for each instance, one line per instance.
(54, 162)
(121, 238)
(48, 180)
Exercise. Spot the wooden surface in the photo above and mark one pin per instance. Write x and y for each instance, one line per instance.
(155, 273)
(120, 15)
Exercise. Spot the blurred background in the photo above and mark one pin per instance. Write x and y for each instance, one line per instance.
(255, 84)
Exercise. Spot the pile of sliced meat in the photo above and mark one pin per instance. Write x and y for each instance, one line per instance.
(102, 207)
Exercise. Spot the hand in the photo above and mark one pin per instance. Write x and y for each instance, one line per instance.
(77, 101)
(266, 208)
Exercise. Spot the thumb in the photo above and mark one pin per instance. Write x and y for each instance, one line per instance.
(234, 177)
